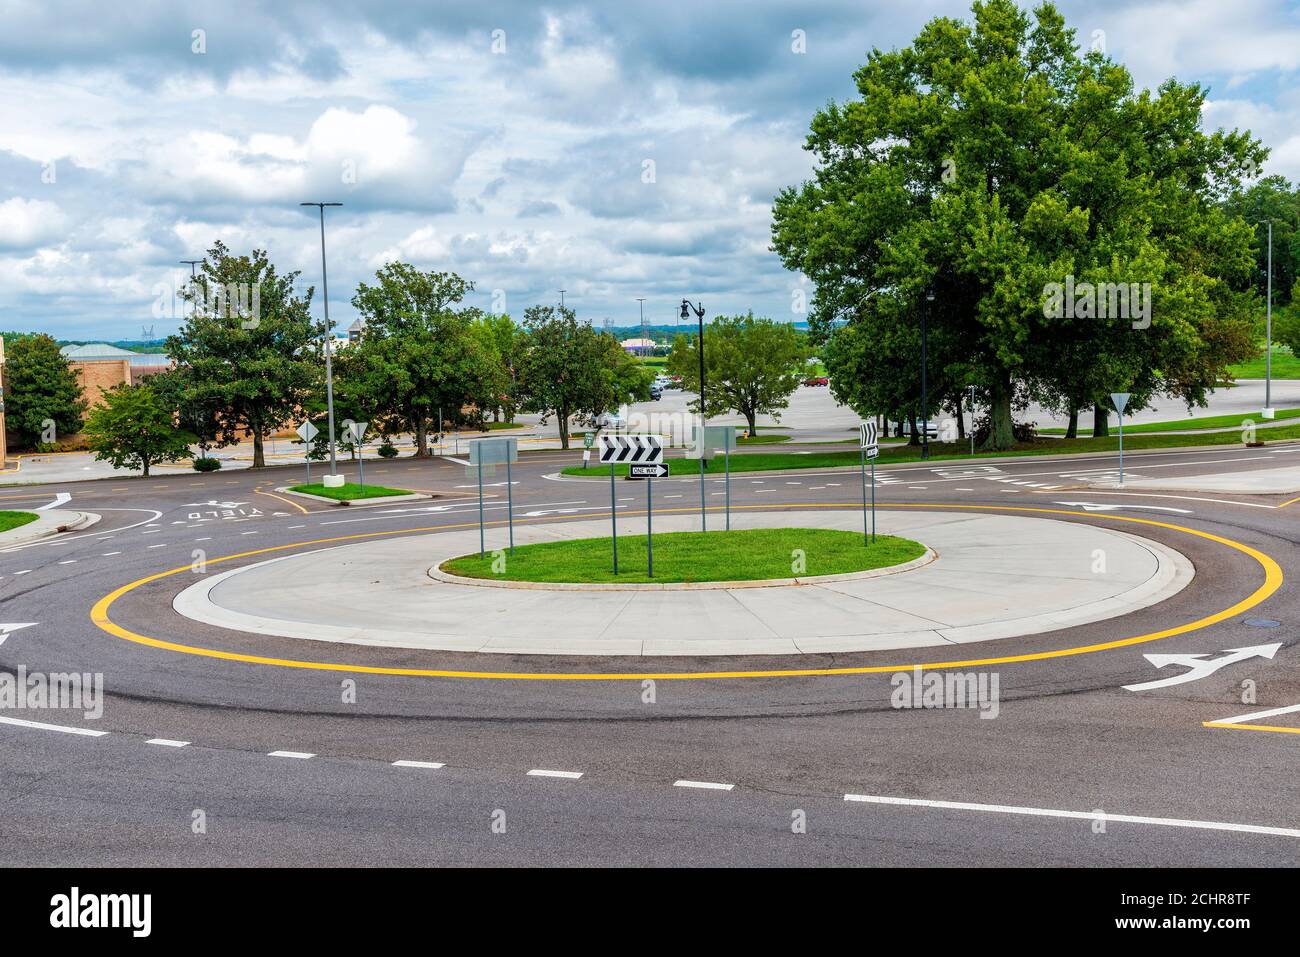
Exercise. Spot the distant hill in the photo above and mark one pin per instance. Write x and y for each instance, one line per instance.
(663, 333)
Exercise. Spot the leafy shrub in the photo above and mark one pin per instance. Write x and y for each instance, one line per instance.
(387, 451)
(204, 464)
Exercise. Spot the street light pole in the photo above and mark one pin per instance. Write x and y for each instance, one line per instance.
(561, 298)
(329, 335)
(925, 404)
(1268, 332)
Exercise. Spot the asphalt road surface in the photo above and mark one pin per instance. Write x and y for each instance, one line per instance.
(654, 765)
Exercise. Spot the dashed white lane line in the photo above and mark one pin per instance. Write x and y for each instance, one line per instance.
(151, 531)
(760, 491)
(544, 773)
(109, 554)
(1077, 815)
(164, 545)
(70, 561)
(168, 743)
(302, 755)
(297, 526)
(25, 571)
(706, 785)
(433, 765)
(205, 538)
(672, 496)
(41, 726)
(248, 533)
(919, 488)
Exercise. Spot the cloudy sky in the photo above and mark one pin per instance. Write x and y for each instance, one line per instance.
(614, 150)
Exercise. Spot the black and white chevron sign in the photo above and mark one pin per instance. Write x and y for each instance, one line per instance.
(644, 449)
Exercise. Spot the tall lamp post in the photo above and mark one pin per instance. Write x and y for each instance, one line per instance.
(1268, 331)
(687, 309)
(925, 401)
(329, 335)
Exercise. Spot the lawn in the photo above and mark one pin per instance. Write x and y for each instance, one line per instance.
(1285, 365)
(1204, 422)
(348, 492)
(740, 555)
(762, 438)
(500, 426)
(940, 452)
(10, 520)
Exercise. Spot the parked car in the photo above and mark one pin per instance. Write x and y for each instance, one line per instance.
(662, 381)
(611, 421)
(817, 380)
(932, 429)
(656, 393)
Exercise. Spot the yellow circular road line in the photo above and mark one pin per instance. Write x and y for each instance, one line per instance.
(1272, 582)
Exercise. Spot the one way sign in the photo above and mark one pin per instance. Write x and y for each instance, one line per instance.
(642, 449)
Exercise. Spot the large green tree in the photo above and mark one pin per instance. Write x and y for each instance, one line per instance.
(249, 347)
(751, 366)
(989, 161)
(417, 355)
(571, 371)
(133, 427)
(42, 395)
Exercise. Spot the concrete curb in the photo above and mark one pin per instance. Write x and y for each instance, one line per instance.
(437, 574)
(381, 500)
(52, 522)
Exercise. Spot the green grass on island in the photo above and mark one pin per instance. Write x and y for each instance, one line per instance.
(738, 555)
(348, 492)
(10, 520)
(939, 452)
(1204, 422)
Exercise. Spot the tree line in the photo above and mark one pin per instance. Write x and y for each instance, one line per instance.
(1062, 235)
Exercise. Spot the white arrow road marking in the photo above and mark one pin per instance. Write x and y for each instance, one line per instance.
(1201, 666)
(6, 629)
(1097, 507)
(62, 498)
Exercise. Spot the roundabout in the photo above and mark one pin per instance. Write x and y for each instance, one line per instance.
(1039, 575)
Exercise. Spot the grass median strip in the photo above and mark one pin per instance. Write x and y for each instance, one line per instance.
(349, 491)
(1204, 422)
(939, 452)
(739, 555)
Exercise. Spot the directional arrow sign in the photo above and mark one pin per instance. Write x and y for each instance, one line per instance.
(307, 431)
(7, 628)
(1201, 666)
(658, 470)
(644, 449)
(868, 438)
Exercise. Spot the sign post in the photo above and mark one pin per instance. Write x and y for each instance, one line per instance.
(706, 440)
(1120, 401)
(588, 441)
(972, 420)
(490, 453)
(868, 450)
(356, 432)
(644, 455)
(307, 432)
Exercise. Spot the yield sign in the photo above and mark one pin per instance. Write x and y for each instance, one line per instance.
(1120, 400)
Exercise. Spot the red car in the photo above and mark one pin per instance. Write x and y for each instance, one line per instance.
(817, 380)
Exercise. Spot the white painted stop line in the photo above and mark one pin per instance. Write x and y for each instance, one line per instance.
(1077, 815)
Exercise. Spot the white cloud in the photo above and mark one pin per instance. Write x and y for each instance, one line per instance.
(26, 223)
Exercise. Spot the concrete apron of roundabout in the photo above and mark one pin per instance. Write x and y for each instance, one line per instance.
(993, 576)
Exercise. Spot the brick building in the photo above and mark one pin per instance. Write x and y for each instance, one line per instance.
(100, 367)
